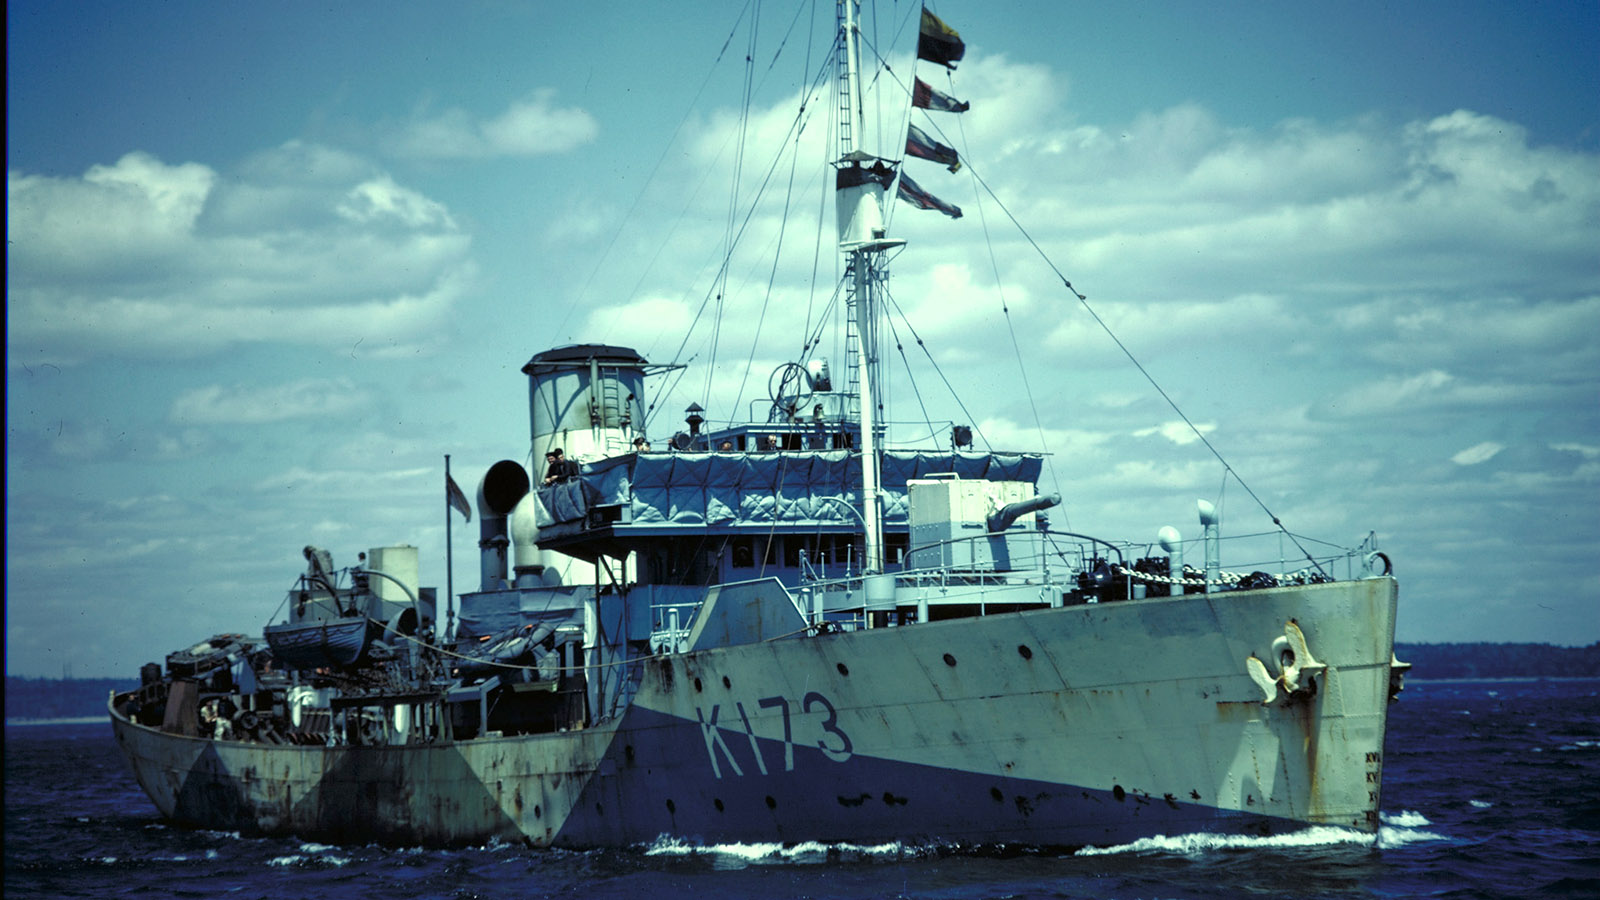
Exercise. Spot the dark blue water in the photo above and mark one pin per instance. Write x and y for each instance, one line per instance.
(1492, 790)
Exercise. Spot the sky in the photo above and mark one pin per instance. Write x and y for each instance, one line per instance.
(267, 266)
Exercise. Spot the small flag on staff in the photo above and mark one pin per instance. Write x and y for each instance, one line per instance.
(926, 96)
(939, 42)
(911, 193)
(456, 499)
(921, 146)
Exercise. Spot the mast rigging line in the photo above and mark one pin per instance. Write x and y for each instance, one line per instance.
(822, 76)
(1227, 467)
(940, 372)
(720, 285)
(1011, 328)
(772, 275)
(736, 233)
(649, 179)
(900, 347)
(798, 123)
(822, 208)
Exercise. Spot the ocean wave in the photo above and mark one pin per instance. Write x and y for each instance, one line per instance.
(1205, 842)
(184, 857)
(311, 856)
(757, 853)
(1404, 827)
(1390, 838)
(303, 860)
(1406, 818)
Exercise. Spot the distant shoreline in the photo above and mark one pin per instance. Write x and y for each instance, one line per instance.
(70, 720)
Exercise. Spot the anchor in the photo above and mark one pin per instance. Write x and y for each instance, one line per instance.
(1297, 669)
(1397, 676)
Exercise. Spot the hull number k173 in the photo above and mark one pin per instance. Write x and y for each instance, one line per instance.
(816, 711)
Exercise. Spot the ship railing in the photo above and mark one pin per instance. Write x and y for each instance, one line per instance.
(672, 623)
(1350, 565)
(1078, 566)
(1274, 554)
(1010, 556)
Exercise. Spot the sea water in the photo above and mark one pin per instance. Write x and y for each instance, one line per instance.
(1492, 789)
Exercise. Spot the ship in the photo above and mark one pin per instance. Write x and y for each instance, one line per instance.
(785, 629)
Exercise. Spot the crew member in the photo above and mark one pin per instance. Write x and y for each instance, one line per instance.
(559, 468)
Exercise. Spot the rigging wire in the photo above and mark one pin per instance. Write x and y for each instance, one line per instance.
(1082, 299)
(721, 286)
(772, 276)
(940, 372)
(900, 347)
(822, 209)
(734, 234)
(750, 211)
(783, 228)
(709, 170)
(654, 170)
(721, 281)
(784, 42)
(1011, 327)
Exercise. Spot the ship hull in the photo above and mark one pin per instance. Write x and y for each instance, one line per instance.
(1093, 724)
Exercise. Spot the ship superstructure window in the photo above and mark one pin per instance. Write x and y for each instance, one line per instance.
(694, 561)
(895, 547)
(792, 546)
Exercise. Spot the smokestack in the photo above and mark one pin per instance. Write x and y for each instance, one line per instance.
(502, 486)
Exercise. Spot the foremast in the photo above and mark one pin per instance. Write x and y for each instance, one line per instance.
(861, 182)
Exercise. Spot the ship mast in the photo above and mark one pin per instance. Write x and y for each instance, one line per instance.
(861, 182)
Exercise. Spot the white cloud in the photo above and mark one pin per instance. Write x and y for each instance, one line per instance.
(1178, 432)
(1586, 450)
(1409, 395)
(1069, 443)
(646, 322)
(1174, 205)
(312, 398)
(532, 126)
(1477, 453)
(137, 212)
(380, 199)
(302, 245)
(349, 481)
(175, 192)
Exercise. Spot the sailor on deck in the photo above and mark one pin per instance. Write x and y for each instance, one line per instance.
(560, 468)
